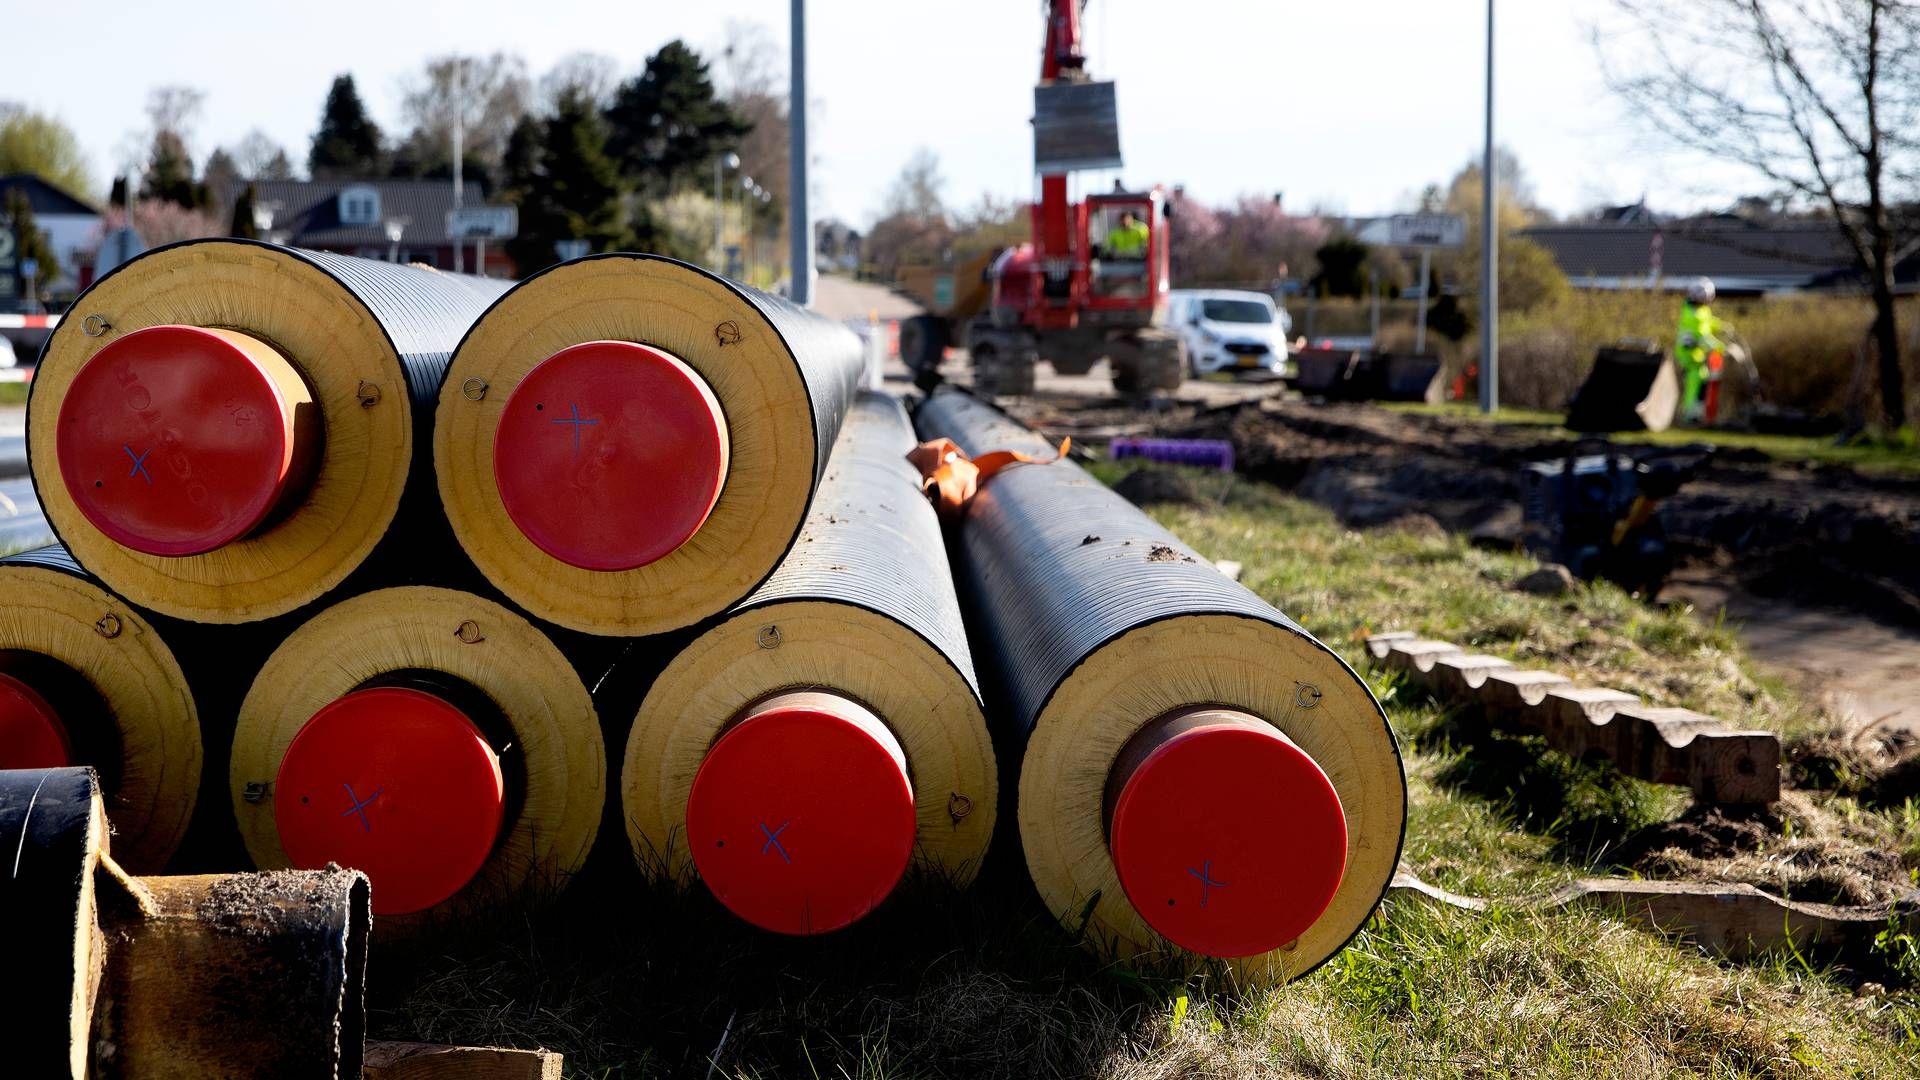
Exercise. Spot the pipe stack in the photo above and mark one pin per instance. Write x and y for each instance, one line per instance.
(236, 438)
(363, 535)
(1199, 775)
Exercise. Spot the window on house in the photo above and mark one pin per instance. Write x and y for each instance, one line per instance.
(359, 206)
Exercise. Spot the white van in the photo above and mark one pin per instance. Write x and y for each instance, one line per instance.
(1223, 330)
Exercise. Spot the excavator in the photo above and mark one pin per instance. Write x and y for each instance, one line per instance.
(1085, 288)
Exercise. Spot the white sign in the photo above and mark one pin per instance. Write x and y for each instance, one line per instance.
(483, 222)
(569, 250)
(1427, 230)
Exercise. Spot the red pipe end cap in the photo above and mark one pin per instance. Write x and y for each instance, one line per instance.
(174, 440)
(801, 818)
(1229, 840)
(31, 734)
(609, 455)
(395, 782)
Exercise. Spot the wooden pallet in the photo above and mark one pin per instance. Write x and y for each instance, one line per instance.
(1661, 745)
(1733, 920)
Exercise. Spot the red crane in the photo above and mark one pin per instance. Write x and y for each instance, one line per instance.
(1093, 282)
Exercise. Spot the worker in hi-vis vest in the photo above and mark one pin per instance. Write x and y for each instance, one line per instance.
(1699, 349)
(1128, 240)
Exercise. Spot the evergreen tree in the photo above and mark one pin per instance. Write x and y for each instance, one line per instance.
(169, 175)
(348, 142)
(566, 185)
(118, 196)
(666, 124)
(581, 178)
(243, 225)
(30, 242)
(221, 174)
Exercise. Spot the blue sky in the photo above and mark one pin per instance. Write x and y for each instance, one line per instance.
(1350, 106)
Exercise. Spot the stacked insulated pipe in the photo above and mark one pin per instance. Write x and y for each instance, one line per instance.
(1200, 776)
(627, 445)
(229, 432)
(224, 430)
(430, 737)
(86, 679)
(829, 730)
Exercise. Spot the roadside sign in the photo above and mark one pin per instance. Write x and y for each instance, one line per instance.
(29, 267)
(1427, 230)
(483, 222)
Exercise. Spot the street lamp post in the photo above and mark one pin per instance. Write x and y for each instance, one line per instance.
(728, 161)
(396, 228)
(1489, 254)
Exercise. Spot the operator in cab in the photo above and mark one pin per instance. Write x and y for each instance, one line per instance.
(1128, 240)
(1699, 348)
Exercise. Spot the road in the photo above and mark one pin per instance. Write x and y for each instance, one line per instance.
(21, 523)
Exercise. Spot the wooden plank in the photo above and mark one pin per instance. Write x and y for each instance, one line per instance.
(1733, 920)
(429, 1061)
(1378, 644)
(1458, 676)
(1416, 657)
(1512, 696)
(1660, 745)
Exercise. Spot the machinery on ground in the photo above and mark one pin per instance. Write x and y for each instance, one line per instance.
(1093, 282)
(1594, 510)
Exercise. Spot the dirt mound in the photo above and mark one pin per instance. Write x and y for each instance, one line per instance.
(1797, 850)
(1827, 535)
(1144, 487)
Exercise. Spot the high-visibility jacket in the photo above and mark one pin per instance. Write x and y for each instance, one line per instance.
(1697, 335)
(1128, 241)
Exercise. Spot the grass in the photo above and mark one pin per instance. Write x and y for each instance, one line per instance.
(633, 982)
(14, 393)
(1900, 454)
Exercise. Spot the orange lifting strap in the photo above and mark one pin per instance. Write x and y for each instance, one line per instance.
(949, 477)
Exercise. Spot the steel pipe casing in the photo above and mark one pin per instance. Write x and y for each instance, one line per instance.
(862, 608)
(217, 975)
(1096, 624)
(248, 421)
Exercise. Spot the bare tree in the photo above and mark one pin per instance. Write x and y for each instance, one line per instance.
(490, 93)
(588, 75)
(751, 77)
(1819, 97)
(916, 191)
(258, 157)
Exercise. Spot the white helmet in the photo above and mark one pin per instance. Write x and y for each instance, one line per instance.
(1701, 291)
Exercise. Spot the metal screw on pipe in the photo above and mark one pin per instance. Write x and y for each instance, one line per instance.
(95, 325)
(474, 389)
(469, 633)
(769, 637)
(107, 626)
(368, 393)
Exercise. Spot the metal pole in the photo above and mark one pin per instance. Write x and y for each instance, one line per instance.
(1489, 254)
(1420, 328)
(718, 211)
(799, 220)
(1373, 316)
(459, 153)
(480, 256)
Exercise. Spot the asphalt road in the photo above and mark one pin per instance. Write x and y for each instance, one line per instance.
(21, 523)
